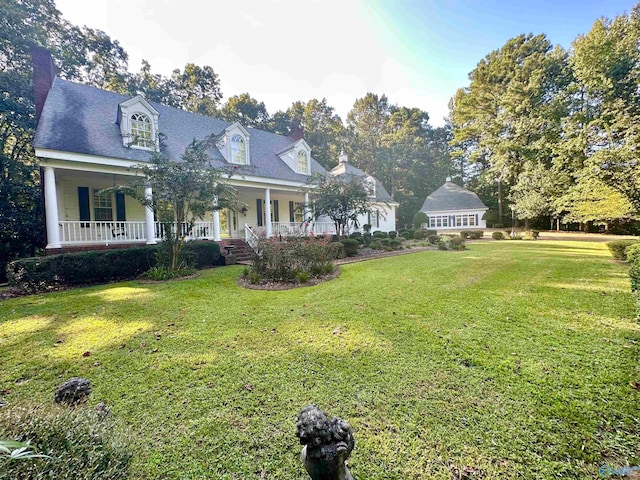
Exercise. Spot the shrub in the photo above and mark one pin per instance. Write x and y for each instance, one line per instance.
(201, 254)
(433, 239)
(464, 234)
(497, 236)
(351, 246)
(336, 251)
(376, 245)
(431, 232)
(408, 234)
(476, 234)
(356, 235)
(420, 219)
(39, 274)
(385, 242)
(498, 225)
(81, 444)
(618, 247)
(393, 234)
(366, 227)
(395, 244)
(419, 234)
(451, 243)
(279, 261)
(632, 252)
(379, 234)
(457, 243)
(535, 234)
(303, 277)
(366, 239)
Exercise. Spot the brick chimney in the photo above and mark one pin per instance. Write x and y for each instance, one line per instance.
(296, 133)
(44, 71)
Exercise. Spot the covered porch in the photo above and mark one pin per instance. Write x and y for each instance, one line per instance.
(78, 213)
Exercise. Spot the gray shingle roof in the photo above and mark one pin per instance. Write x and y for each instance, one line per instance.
(452, 197)
(348, 172)
(82, 119)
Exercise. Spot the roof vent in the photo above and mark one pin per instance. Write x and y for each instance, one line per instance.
(448, 179)
(343, 158)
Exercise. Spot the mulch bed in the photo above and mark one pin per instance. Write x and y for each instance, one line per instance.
(244, 282)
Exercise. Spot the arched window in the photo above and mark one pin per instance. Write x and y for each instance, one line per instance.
(303, 162)
(238, 150)
(141, 131)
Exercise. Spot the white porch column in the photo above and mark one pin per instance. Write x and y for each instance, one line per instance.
(267, 211)
(149, 224)
(307, 213)
(216, 221)
(51, 208)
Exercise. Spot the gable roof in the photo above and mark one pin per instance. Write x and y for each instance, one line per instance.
(349, 172)
(451, 197)
(82, 119)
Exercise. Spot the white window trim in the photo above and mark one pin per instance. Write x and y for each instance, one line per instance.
(230, 132)
(308, 158)
(137, 105)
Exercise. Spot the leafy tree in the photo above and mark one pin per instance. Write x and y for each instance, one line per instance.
(367, 122)
(197, 89)
(246, 110)
(510, 117)
(183, 192)
(83, 54)
(323, 128)
(342, 201)
(606, 63)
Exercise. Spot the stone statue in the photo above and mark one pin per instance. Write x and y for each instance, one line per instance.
(327, 444)
(74, 391)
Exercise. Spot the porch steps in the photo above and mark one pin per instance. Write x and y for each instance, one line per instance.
(243, 252)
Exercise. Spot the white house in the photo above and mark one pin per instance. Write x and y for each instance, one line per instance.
(453, 207)
(88, 139)
(382, 215)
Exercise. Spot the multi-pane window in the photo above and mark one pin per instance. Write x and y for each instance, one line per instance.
(102, 206)
(238, 150)
(141, 131)
(298, 212)
(303, 162)
(438, 221)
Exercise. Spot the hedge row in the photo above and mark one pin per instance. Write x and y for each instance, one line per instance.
(618, 248)
(39, 274)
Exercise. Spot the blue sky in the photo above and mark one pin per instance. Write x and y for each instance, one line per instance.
(417, 52)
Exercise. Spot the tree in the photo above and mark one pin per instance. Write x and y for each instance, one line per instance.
(246, 110)
(510, 115)
(197, 89)
(367, 122)
(340, 200)
(83, 54)
(323, 128)
(183, 192)
(606, 63)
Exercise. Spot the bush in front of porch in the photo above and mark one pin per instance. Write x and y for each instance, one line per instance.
(41, 274)
(293, 259)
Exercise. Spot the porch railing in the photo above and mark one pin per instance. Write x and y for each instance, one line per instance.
(250, 237)
(101, 232)
(199, 230)
(105, 233)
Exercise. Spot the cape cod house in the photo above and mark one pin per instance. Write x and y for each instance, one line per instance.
(453, 207)
(88, 139)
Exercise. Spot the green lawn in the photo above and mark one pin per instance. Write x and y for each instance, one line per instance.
(513, 358)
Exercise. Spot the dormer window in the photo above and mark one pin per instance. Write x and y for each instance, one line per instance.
(302, 165)
(141, 131)
(238, 150)
(138, 122)
(370, 186)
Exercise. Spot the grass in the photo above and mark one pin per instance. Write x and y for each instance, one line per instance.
(512, 358)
